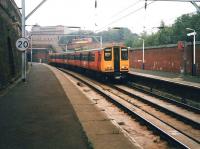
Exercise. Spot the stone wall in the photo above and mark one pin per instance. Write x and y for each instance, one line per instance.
(10, 58)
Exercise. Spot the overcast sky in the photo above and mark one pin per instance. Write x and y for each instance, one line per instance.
(107, 14)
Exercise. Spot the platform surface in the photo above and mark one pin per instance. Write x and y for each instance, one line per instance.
(49, 112)
(187, 80)
(38, 115)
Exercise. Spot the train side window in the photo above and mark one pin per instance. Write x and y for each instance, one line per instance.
(107, 54)
(124, 54)
(89, 56)
(92, 58)
(85, 57)
(81, 57)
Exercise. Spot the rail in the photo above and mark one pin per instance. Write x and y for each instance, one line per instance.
(132, 111)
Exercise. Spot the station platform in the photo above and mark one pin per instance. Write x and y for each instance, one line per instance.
(187, 80)
(49, 112)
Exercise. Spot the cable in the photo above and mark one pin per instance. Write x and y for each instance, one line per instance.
(124, 16)
(125, 9)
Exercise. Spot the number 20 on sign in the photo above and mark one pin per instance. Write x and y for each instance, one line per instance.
(22, 44)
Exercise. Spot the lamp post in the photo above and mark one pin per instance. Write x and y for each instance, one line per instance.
(142, 52)
(194, 50)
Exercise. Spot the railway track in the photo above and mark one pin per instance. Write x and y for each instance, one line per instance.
(145, 113)
(190, 117)
(150, 92)
(162, 110)
(185, 93)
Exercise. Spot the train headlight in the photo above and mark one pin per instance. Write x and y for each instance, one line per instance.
(109, 67)
(124, 67)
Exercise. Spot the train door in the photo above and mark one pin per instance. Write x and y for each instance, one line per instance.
(116, 59)
(99, 61)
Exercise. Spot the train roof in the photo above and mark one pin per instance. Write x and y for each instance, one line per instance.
(76, 51)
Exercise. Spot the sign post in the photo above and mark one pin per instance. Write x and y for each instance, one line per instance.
(22, 44)
(23, 36)
(24, 18)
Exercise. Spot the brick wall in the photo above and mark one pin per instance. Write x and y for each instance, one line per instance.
(38, 55)
(169, 58)
(188, 58)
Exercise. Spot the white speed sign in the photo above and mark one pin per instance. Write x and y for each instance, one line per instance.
(22, 44)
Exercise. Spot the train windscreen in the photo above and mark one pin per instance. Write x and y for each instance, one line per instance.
(107, 54)
(124, 54)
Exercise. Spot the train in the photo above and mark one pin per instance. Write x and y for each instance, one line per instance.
(110, 62)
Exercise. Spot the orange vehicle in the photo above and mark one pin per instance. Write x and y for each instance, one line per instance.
(110, 61)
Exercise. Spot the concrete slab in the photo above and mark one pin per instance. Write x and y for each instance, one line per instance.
(94, 127)
(86, 108)
(105, 141)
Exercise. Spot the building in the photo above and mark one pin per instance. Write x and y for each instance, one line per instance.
(44, 40)
(48, 35)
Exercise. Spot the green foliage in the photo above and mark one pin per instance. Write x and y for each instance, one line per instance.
(112, 35)
(118, 35)
(173, 34)
(166, 35)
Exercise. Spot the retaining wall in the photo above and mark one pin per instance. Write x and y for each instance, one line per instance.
(169, 58)
(10, 58)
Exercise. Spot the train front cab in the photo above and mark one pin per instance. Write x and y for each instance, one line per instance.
(115, 61)
(121, 61)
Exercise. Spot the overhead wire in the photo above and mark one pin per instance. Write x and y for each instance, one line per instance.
(145, 14)
(125, 16)
(119, 12)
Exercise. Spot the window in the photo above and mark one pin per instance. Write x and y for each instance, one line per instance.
(91, 57)
(65, 56)
(107, 54)
(81, 57)
(72, 57)
(85, 57)
(124, 54)
(77, 57)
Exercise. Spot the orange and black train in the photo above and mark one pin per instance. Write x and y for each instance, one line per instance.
(112, 61)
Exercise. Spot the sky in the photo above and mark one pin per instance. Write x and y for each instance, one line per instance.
(108, 14)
